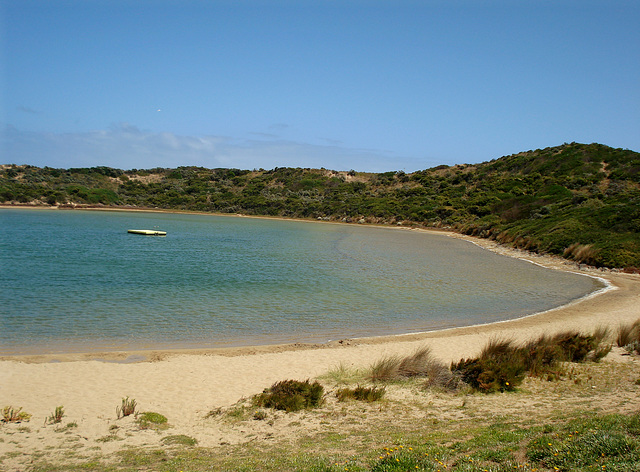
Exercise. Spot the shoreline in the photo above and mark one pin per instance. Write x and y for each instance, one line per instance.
(186, 384)
(618, 302)
(133, 355)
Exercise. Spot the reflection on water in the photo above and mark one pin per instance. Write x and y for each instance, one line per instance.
(76, 280)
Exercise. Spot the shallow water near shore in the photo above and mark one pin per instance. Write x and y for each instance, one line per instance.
(76, 281)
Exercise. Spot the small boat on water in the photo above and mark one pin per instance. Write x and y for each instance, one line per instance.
(147, 232)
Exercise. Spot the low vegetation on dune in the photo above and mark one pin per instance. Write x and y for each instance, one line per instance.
(291, 395)
(578, 201)
(502, 365)
(11, 414)
(629, 337)
(543, 405)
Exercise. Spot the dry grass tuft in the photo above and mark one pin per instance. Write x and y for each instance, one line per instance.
(581, 253)
(419, 364)
(127, 408)
(416, 365)
(629, 336)
(365, 394)
(386, 369)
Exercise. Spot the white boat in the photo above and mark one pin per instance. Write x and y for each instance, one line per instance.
(147, 232)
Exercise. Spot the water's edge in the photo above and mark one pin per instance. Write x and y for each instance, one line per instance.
(545, 262)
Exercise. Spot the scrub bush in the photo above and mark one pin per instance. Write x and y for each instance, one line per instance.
(291, 395)
(574, 347)
(500, 367)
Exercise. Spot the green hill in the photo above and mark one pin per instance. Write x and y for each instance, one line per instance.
(576, 200)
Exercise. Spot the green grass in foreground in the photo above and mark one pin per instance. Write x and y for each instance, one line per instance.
(588, 443)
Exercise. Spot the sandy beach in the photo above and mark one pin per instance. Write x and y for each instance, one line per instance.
(186, 385)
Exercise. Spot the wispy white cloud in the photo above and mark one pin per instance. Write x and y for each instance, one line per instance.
(126, 146)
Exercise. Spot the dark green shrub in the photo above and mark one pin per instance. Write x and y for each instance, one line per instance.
(491, 375)
(500, 367)
(291, 395)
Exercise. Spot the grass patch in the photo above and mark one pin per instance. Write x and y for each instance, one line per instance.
(291, 395)
(590, 442)
(68, 427)
(150, 419)
(365, 394)
(343, 375)
(180, 439)
(600, 443)
(109, 438)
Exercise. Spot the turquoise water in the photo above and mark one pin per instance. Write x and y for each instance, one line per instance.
(77, 281)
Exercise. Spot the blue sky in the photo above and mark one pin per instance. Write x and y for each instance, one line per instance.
(366, 85)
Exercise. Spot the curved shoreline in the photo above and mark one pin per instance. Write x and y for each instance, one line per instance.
(575, 315)
(548, 262)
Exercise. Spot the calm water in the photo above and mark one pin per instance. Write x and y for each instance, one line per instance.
(76, 280)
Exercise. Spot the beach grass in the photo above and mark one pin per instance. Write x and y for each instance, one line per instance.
(128, 407)
(628, 336)
(56, 416)
(421, 364)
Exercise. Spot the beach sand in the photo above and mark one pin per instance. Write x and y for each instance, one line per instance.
(186, 385)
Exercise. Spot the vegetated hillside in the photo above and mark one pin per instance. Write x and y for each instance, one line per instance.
(576, 200)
